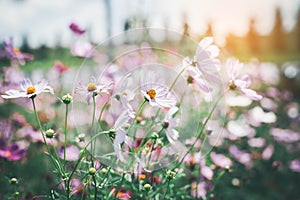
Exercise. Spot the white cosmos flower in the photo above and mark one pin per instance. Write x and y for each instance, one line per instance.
(158, 95)
(28, 90)
(121, 133)
(170, 123)
(93, 88)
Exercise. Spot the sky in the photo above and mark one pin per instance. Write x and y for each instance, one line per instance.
(46, 21)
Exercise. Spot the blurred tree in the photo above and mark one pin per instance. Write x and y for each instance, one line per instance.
(252, 37)
(209, 30)
(278, 33)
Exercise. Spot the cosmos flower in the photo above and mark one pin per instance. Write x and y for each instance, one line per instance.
(243, 83)
(12, 53)
(82, 49)
(76, 29)
(120, 133)
(93, 88)
(72, 153)
(28, 90)
(196, 80)
(12, 152)
(220, 160)
(205, 60)
(158, 95)
(295, 165)
(170, 123)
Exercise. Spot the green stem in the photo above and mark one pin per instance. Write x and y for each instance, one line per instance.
(40, 125)
(95, 186)
(93, 144)
(135, 117)
(200, 131)
(168, 184)
(65, 131)
(120, 185)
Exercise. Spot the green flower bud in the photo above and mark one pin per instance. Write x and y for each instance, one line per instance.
(14, 181)
(50, 133)
(170, 174)
(154, 136)
(92, 171)
(103, 170)
(67, 99)
(147, 186)
(159, 142)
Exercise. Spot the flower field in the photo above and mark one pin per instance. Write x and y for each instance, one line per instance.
(137, 117)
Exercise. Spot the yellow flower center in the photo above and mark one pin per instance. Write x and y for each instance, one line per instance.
(30, 90)
(16, 51)
(8, 154)
(91, 87)
(151, 93)
(231, 85)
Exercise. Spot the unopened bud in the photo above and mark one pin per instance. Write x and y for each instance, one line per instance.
(50, 133)
(67, 99)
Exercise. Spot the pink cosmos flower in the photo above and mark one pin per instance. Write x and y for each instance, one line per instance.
(93, 88)
(243, 83)
(12, 53)
(170, 123)
(72, 153)
(28, 90)
(268, 152)
(76, 29)
(205, 60)
(12, 152)
(295, 165)
(82, 49)
(241, 156)
(196, 80)
(121, 133)
(158, 95)
(220, 160)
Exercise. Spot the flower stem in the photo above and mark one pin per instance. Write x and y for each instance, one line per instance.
(168, 184)
(93, 144)
(200, 130)
(65, 142)
(95, 186)
(40, 125)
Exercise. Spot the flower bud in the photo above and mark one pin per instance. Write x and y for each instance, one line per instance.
(170, 174)
(67, 99)
(147, 186)
(14, 181)
(154, 136)
(92, 171)
(50, 133)
(103, 170)
(159, 142)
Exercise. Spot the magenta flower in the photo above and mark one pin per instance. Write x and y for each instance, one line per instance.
(12, 53)
(12, 152)
(28, 90)
(243, 83)
(76, 29)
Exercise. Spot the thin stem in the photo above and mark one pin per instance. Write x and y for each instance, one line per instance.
(168, 184)
(177, 77)
(40, 125)
(65, 132)
(136, 115)
(93, 144)
(120, 185)
(200, 131)
(95, 186)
